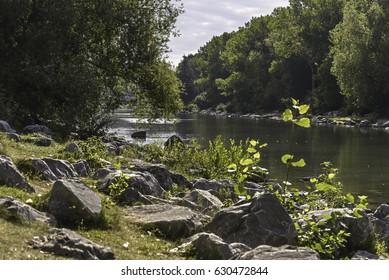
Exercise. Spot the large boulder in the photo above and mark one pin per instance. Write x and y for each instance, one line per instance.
(203, 201)
(42, 141)
(54, 169)
(72, 202)
(39, 129)
(285, 252)
(5, 127)
(82, 168)
(174, 222)
(360, 229)
(10, 175)
(159, 171)
(364, 256)
(25, 212)
(382, 212)
(261, 221)
(67, 243)
(380, 229)
(209, 246)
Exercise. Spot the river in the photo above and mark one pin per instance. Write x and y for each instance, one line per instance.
(362, 155)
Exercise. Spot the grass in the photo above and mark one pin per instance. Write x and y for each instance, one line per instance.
(128, 240)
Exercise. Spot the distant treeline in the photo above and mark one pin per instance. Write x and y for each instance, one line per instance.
(332, 54)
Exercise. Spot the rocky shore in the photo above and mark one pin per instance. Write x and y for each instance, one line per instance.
(192, 213)
(330, 118)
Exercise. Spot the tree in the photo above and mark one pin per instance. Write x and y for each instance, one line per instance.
(361, 58)
(71, 61)
(188, 74)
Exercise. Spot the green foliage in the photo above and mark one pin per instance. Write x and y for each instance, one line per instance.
(72, 62)
(116, 189)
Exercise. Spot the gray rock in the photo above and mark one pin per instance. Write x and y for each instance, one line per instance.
(181, 181)
(67, 243)
(25, 211)
(172, 221)
(54, 169)
(363, 256)
(5, 127)
(10, 175)
(216, 187)
(102, 173)
(40, 141)
(72, 202)
(204, 201)
(159, 171)
(261, 221)
(174, 140)
(385, 124)
(382, 212)
(82, 168)
(211, 247)
(380, 230)
(113, 148)
(285, 252)
(39, 129)
(73, 148)
(365, 123)
(14, 136)
(144, 182)
(360, 229)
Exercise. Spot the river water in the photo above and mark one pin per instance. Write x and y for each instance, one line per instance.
(362, 155)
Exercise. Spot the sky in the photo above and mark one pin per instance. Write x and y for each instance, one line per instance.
(204, 19)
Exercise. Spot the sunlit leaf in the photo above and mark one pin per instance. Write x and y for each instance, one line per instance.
(232, 167)
(303, 109)
(257, 155)
(357, 213)
(331, 176)
(295, 102)
(313, 180)
(286, 158)
(350, 198)
(325, 187)
(245, 170)
(303, 122)
(361, 206)
(300, 163)
(251, 150)
(287, 115)
(253, 143)
(263, 146)
(247, 161)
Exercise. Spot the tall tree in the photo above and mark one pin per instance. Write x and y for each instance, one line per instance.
(361, 57)
(71, 61)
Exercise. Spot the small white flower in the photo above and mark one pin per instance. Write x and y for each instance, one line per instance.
(125, 245)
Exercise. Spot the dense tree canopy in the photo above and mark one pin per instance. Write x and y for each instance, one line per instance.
(332, 54)
(72, 61)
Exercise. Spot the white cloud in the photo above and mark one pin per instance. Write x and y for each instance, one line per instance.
(204, 19)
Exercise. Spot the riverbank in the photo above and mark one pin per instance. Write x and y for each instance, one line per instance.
(151, 202)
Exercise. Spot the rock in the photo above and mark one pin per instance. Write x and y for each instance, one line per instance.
(174, 222)
(54, 169)
(385, 124)
(67, 243)
(216, 187)
(174, 140)
(5, 127)
(39, 129)
(102, 173)
(144, 182)
(380, 230)
(159, 171)
(82, 168)
(382, 212)
(261, 221)
(13, 136)
(73, 148)
(181, 181)
(131, 196)
(285, 252)
(363, 255)
(72, 202)
(365, 123)
(39, 141)
(252, 188)
(25, 211)
(360, 229)
(204, 202)
(139, 135)
(209, 246)
(10, 175)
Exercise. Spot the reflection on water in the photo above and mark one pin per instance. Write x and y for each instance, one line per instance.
(360, 155)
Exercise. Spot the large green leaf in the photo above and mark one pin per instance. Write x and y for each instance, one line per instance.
(325, 187)
(287, 115)
(303, 109)
(303, 122)
(300, 163)
(247, 161)
(286, 158)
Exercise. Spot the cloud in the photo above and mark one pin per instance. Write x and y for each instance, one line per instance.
(204, 19)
